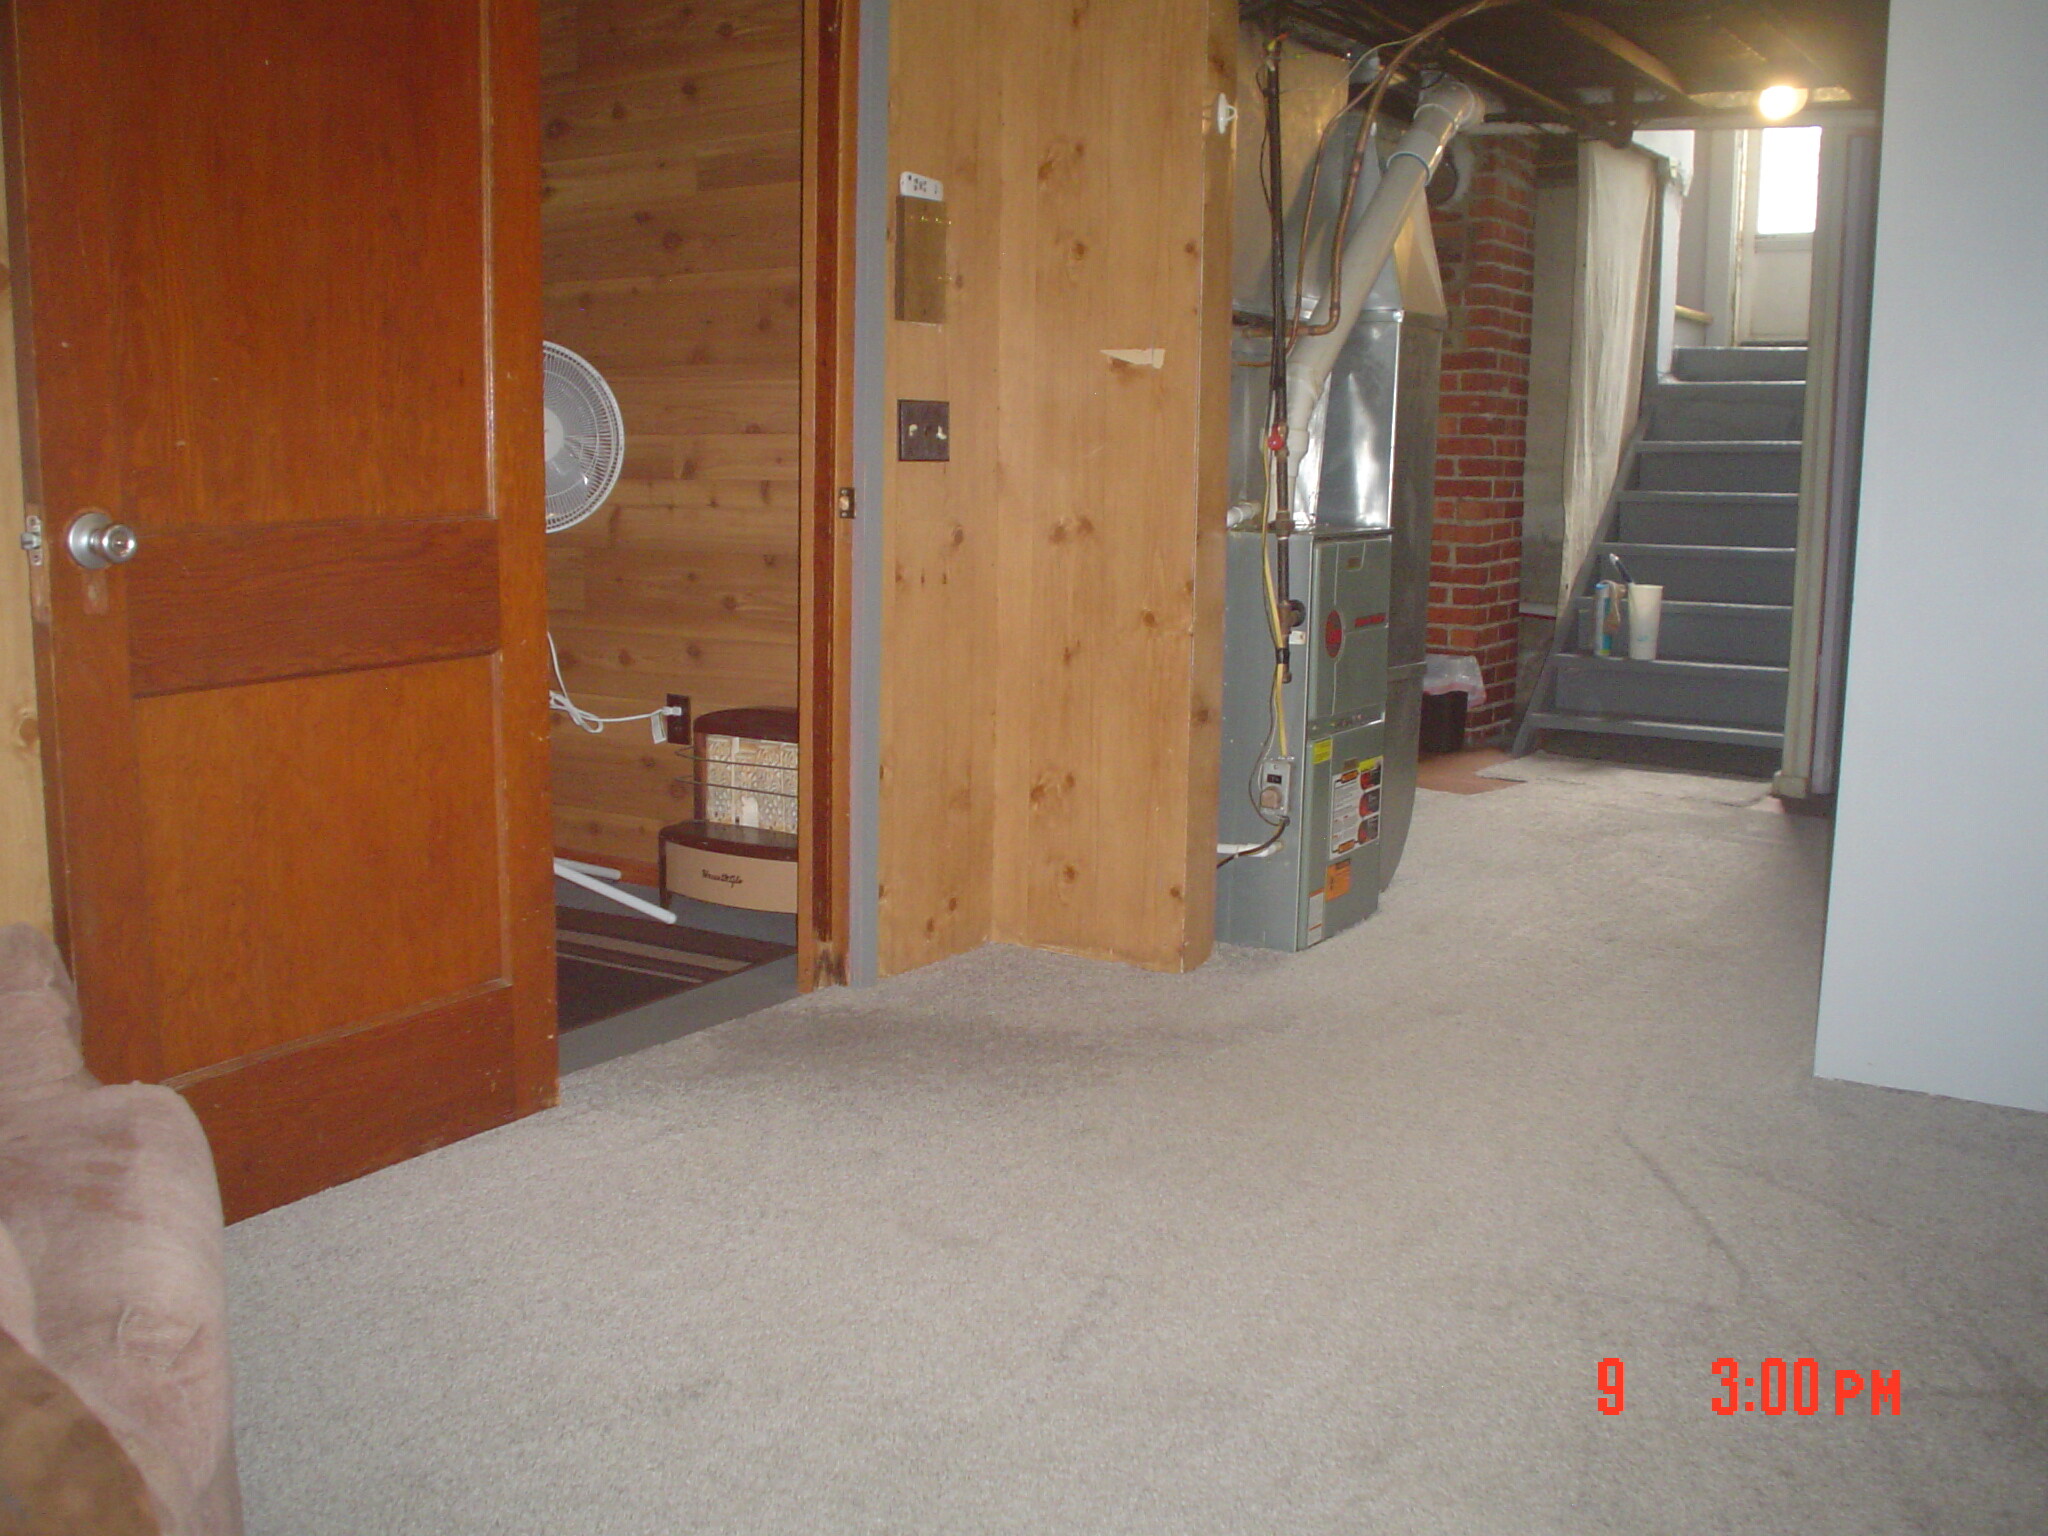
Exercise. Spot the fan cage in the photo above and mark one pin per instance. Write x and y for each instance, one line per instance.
(583, 472)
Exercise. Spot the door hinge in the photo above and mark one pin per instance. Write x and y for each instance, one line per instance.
(846, 501)
(32, 538)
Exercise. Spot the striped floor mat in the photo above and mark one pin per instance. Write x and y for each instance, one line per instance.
(607, 963)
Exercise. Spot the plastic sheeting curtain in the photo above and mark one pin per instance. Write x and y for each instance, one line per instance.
(1619, 191)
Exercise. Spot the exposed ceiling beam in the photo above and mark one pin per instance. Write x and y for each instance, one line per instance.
(1549, 107)
(1832, 54)
(1626, 49)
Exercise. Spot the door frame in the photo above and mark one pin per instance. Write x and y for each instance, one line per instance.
(831, 65)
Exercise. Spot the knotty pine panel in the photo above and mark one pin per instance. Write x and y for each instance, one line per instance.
(626, 663)
(1110, 661)
(670, 230)
(626, 772)
(738, 525)
(24, 844)
(667, 112)
(940, 598)
(1052, 612)
(746, 319)
(622, 41)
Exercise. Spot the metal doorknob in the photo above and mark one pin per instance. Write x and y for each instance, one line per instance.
(96, 541)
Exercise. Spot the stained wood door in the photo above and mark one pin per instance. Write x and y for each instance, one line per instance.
(825, 645)
(278, 263)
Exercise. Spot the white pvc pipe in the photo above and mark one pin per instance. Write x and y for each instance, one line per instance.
(573, 873)
(1446, 108)
(603, 872)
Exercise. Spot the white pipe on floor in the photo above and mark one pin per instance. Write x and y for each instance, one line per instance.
(573, 873)
(603, 872)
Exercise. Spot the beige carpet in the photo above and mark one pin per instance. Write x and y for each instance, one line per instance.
(1329, 1243)
(1601, 777)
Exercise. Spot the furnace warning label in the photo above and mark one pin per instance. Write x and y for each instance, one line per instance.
(1355, 805)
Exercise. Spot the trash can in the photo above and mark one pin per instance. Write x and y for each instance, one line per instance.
(1450, 685)
(1443, 723)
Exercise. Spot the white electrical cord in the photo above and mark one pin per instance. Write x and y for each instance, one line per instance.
(584, 720)
(1275, 461)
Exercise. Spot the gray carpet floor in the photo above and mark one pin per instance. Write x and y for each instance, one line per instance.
(1325, 1243)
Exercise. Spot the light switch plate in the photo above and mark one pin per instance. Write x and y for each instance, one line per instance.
(924, 429)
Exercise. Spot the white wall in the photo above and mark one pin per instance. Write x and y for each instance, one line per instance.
(1936, 974)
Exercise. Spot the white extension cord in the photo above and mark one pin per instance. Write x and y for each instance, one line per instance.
(584, 720)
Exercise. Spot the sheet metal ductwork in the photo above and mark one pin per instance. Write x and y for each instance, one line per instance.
(1331, 751)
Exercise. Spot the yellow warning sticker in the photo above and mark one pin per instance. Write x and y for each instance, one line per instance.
(1320, 751)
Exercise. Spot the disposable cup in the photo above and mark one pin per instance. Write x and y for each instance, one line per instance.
(1645, 614)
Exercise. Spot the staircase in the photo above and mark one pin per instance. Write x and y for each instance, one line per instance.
(1707, 506)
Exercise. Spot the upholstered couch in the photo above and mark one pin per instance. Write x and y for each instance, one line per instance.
(114, 1394)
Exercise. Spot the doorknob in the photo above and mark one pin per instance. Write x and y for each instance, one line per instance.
(96, 541)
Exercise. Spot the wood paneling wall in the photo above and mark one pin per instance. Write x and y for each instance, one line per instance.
(24, 845)
(940, 633)
(672, 166)
(1052, 624)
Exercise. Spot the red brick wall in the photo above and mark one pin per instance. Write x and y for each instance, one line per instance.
(1486, 246)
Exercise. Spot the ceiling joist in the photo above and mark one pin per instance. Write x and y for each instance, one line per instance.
(1625, 49)
(1598, 67)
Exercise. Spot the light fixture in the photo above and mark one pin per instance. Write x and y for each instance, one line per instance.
(1775, 103)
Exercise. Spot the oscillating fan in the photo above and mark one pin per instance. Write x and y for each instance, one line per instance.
(584, 433)
(584, 441)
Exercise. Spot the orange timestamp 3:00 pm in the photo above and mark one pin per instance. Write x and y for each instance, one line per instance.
(1777, 1387)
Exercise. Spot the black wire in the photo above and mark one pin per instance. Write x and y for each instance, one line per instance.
(1283, 323)
(1271, 180)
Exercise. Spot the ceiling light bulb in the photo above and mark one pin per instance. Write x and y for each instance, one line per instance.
(1775, 103)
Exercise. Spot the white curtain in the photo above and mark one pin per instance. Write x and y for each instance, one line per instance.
(1618, 193)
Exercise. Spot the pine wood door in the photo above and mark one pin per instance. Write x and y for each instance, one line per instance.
(278, 262)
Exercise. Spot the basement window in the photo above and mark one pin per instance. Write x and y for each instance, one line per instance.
(1788, 181)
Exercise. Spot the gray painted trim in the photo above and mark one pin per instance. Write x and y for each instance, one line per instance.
(1837, 352)
(671, 1018)
(870, 434)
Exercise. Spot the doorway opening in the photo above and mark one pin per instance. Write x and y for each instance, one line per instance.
(1773, 278)
(693, 176)
(1708, 468)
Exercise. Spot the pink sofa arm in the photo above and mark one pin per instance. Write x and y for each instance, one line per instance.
(39, 1053)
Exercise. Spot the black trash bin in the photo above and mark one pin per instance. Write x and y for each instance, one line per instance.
(1443, 723)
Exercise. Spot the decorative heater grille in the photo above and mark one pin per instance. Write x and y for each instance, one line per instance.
(748, 781)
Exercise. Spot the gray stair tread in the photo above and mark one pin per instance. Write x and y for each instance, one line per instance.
(1710, 498)
(1675, 730)
(1670, 665)
(1745, 349)
(1706, 606)
(1736, 634)
(1717, 551)
(1712, 504)
(1734, 389)
(1720, 445)
(1740, 364)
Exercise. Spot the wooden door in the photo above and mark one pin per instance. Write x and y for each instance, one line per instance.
(279, 265)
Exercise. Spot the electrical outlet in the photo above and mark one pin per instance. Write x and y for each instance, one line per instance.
(1276, 776)
(678, 725)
